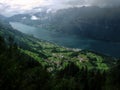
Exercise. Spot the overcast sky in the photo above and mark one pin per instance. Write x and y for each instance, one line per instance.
(10, 7)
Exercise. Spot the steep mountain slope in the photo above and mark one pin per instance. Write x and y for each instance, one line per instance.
(27, 63)
(53, 56)
(92, 22)
(20, 71)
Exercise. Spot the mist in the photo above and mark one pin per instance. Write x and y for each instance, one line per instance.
(12, 7)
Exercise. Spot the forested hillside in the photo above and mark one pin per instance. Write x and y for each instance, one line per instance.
(19, 71)
(27, 63)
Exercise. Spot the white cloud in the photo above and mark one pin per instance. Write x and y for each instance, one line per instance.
(34, 18)
(10, 7)
(49, 10)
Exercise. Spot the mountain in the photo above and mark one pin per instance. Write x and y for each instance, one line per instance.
(91, 22)
(2, 17)
(18, 70)
(50, 54)
(27, 63)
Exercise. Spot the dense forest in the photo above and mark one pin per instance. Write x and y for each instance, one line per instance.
(27, 63)
(20, 71)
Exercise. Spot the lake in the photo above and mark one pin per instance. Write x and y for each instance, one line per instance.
(71, 41)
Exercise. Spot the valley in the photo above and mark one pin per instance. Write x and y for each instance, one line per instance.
(59, 45)
(71, 41)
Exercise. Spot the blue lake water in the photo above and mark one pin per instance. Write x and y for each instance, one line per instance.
(71, 41)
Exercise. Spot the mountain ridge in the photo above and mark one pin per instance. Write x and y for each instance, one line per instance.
(27, 63)
(92, 22)
(41, 50)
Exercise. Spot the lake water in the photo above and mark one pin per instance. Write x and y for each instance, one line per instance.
(71, 41)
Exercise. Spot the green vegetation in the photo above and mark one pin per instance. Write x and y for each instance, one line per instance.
(53, 56)
(27, 63)
(20, 71)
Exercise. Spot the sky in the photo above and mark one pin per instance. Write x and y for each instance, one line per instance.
(11, 7)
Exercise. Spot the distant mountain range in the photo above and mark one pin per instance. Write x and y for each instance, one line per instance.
(92, 22)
